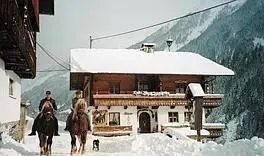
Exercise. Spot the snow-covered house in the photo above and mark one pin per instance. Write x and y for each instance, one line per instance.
(19, 22)
(137, 91)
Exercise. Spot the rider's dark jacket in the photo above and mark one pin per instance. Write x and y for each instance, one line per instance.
(52, 101)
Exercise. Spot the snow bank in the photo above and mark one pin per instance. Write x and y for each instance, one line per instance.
(10, 147)
(182, 133)
(154, 144)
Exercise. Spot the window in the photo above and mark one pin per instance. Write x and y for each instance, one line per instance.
(11, 87)
(209, 88)
(180, 87)
(173, 117)
(114, 87)
(187, 116)
(114, 118)
(143, 86)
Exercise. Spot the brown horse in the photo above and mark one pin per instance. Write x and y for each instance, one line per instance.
(79, 126)
(46, 128)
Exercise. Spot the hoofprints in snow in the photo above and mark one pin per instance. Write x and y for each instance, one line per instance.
(143, 91)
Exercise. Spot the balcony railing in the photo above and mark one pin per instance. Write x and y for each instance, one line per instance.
(210, 100)
(18, 41)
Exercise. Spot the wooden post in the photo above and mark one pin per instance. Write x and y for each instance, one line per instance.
(198, 135)
(198, 101)
(23, 122)
(91, 41)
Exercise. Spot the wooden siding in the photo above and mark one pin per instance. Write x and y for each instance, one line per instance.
(101, 83)
(168, 81)
(128, 82)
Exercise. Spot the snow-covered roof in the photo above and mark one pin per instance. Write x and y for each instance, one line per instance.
(139, 62)
(196, 89)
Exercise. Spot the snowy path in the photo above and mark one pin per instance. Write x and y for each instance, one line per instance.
(155, 144)
(61, 145)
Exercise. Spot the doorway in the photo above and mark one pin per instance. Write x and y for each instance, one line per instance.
(144, 122)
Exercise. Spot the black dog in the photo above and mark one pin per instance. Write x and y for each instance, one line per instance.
(96, 145)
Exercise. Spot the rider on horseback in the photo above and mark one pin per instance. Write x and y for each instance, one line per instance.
(36, 121)
(78, 95)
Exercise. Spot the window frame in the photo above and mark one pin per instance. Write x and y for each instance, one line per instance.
(114, 115)
(114, 87)
(173, 117)
(143, 86)
(180, 86)
(189, 116)
(11, 87)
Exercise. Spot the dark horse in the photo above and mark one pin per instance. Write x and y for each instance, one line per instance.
(79, 126)
(46, 128)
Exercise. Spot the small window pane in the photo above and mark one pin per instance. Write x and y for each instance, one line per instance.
(173, 116)
(114, 118)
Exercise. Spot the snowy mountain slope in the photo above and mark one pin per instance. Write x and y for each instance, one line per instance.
(29, 84)
(57, 83)
(235, 41)
(233, 37)
(185, 30)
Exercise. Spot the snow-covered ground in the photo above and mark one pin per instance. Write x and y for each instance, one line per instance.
(155, 144)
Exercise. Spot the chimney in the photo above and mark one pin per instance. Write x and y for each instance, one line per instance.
(148, 47)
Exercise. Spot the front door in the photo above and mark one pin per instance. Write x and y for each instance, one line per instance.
(144, 123)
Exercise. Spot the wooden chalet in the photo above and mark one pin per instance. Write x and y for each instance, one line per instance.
(142, 91)
(19, 23)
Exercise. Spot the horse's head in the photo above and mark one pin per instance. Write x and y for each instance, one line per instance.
(47, 110)
(80, 107)
(48, 115)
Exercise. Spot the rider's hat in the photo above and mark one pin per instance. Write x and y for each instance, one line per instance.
(78, 92)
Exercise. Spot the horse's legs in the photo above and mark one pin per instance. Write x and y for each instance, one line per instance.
(81, 144)
(73, 144)
(42, 142)
(49, 143)
(83, 141)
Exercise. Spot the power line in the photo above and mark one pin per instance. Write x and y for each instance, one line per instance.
(154, 25)
(65, 62)
(50, 55)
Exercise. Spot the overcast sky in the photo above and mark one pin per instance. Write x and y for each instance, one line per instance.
(75, 20)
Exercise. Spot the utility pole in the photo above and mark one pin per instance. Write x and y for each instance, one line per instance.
(91, 40)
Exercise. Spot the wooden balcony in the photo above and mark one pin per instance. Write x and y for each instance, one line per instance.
(210, 100)
(18, 37)
(215, 129)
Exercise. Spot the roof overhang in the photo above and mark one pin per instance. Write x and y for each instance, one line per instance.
(131, 61)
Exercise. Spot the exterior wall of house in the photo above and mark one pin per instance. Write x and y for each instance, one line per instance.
(10, 104)
(163, 117)
(128, 82)
(128, 117)
(101, 83)
(168, 81)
